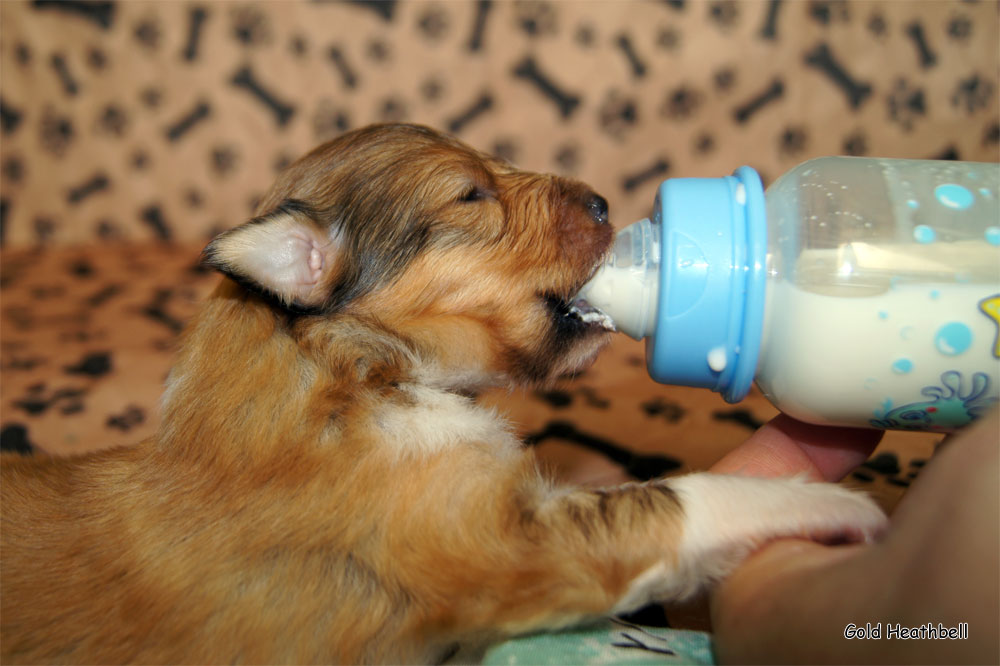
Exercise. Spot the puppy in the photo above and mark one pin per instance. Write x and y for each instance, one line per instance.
(322, 490)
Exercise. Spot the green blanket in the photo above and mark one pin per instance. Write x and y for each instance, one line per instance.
(612, 642)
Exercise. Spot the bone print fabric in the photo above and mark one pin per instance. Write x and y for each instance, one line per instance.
(166, 120)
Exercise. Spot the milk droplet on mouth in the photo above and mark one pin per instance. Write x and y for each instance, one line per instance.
(588, 314)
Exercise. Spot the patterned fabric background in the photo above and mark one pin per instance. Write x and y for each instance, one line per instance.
(166, 120)
(131, 132)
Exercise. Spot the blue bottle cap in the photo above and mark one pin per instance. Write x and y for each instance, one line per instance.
(712, 276)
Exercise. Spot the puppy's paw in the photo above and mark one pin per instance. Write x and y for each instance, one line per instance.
(726, 518)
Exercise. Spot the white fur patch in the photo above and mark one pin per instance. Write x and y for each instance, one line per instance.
(434, 420)
(726, 518)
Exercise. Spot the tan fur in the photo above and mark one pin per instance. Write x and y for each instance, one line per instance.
(320, 489)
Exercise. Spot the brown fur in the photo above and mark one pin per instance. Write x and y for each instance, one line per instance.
(319, 490)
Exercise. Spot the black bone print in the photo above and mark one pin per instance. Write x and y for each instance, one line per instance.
(565, 102)
(347, 73)
(196, 21)
(4, 212)
(199, 113)
(638, 67)
(821, 58)
(10, 118)
(772, 93)
(99, 182)
(915, 31)
(483, 8)
(152, 216)
(100, 13)
(69, 84)
(770, 28)
(655, 171)
(482, 104)
(244, 79)
(385, 9)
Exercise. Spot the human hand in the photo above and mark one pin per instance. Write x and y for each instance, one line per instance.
(793, 601)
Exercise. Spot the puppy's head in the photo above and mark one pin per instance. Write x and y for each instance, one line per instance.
(470, 261)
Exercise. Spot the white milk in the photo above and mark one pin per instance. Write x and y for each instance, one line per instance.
(917, 353)
(628, 295)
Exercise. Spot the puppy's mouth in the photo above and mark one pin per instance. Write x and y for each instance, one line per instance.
(574, 314)
(577, 315)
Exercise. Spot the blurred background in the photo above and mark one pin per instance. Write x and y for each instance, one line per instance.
(132, 132)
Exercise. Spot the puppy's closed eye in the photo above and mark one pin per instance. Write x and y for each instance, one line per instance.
(476, 193)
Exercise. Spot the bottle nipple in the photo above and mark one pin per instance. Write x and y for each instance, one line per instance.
(627, 286)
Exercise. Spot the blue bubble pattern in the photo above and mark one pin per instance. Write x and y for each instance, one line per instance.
(923, 234)
(953, 196)
(953, 338)
(902, 366)
(992, 235)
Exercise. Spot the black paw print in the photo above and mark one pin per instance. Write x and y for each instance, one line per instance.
(991, 136)
(793, 141)
(148, 33)
(906, 104)
(22, 54)
(724, 79)
(829, 11)
(113, 120)
(432, 89)
(585, 36)
(536, 17)
(250, 26)
(379, 51)
(618, 114)
(506, 149)
(298, 46)
(567, 158)
(13, 169)
(57, 132)
(725, 13)
(224, 160)
(433, 23)
(151, 97)
(328, 120)
(681, 103)
(856, 144)
(393, 110)
(960, 28)
(668, 38)
(97, 59)
(877, 25)
(973, 93)
(704, 144)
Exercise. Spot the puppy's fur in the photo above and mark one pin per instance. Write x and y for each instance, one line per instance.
(321, 490)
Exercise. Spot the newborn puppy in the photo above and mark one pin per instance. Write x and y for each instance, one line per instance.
(322, 489)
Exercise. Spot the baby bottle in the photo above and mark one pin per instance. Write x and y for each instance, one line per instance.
(857, 291)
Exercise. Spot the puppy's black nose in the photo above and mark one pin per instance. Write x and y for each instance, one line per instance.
(597, 206)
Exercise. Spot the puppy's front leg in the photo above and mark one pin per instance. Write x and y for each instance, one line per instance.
(725, 518)
(576, 554)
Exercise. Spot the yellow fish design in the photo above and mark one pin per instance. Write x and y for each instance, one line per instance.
(991, 308)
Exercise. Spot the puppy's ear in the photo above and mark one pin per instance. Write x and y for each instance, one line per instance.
(285, 253)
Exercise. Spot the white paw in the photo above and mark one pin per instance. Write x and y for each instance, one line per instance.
(726, 518)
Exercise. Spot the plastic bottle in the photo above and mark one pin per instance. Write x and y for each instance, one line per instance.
(858, 292)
